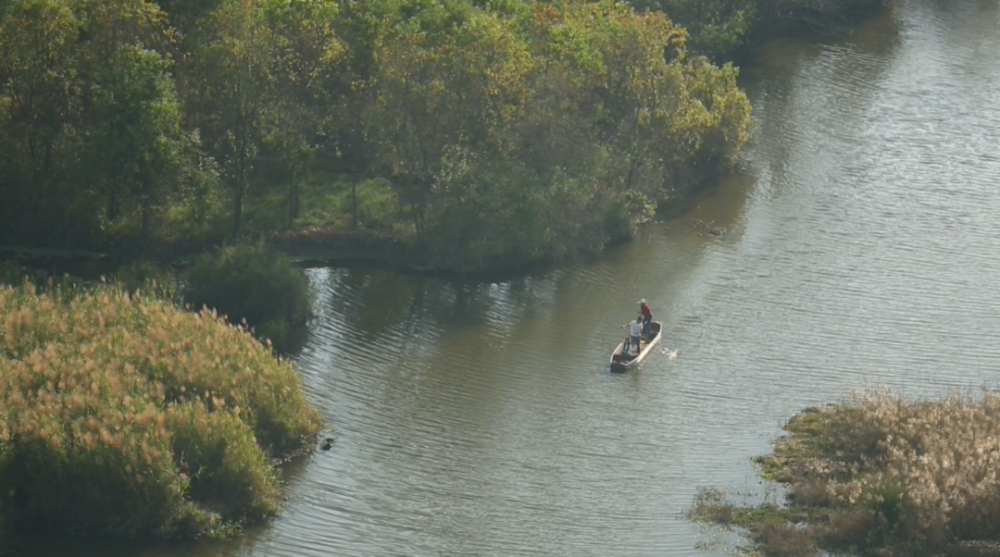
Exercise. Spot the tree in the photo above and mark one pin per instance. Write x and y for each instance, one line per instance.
(237, 82)
(308, 52)
(113, 78)
(139, 141)
(448, 79)
(39, 98)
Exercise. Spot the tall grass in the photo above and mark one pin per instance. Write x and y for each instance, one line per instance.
(880, 471)
(123, 415)
(254, 282)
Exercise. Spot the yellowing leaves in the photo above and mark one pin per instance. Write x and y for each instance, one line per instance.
(927, 469)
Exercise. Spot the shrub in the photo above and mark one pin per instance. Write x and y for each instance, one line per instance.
(122, 415)
(253, 282)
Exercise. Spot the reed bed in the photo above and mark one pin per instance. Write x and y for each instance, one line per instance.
(879, 473)
(125, 415)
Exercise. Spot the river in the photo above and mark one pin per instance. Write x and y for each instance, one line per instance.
(860, 243)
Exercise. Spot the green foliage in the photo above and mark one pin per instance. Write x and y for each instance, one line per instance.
(137, 141)
(252, 282)
(126, 416)
(552, 116)
(227, 469)
(717, 27)
(492, 132)
(236, 73)
(38, 39)
(625, 210)
(198, 212)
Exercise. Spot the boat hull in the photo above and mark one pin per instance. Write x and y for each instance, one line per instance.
(621, 363)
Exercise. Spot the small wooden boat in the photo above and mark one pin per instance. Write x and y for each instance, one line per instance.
(625, 362)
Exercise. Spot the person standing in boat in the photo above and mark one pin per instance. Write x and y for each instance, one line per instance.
(647, 316)
(634, 338)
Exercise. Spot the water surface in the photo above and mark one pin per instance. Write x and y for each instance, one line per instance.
(860, 244)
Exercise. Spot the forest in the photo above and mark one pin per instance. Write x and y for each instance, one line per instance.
(479, 134)
(484, 133)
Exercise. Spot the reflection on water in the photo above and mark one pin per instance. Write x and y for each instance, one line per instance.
(480, 418)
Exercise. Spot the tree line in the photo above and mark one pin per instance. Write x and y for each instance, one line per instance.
(484, 131)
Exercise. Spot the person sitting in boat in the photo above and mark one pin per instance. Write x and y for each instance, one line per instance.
(647, 317)
(634, 339)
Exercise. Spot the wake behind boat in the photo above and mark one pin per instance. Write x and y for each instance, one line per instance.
(621, 362)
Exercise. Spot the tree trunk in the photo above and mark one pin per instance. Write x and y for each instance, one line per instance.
(238, 208)
(631, 173)
(144, 213)
(240, 186)
(113, 206)
(293, 200)
(354, 202)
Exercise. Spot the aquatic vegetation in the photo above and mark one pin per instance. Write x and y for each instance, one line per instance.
(878, 472)
(124, 415)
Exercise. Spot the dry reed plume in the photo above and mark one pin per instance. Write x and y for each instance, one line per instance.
(880, 472)
(124, 415)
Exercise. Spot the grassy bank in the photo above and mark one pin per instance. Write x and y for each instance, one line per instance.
(881, 475)
(126, 416)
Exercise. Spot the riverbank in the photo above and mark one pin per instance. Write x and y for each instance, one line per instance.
(804, 18)
(734, 30)
(878, 475)
(313, 246)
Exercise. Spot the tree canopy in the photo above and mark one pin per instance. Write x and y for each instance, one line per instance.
(482, 131)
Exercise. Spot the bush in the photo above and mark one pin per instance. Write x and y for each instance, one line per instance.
(253, 282)
(125, 416)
